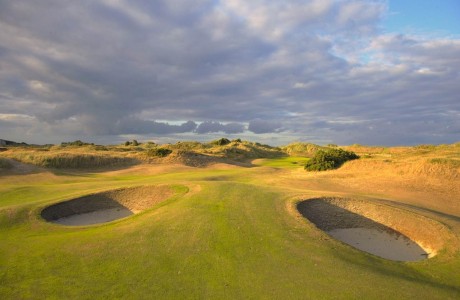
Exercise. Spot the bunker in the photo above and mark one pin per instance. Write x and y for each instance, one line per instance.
(379, 229)
(105, 206)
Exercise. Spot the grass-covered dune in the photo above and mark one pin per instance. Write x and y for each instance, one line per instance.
(225, 230)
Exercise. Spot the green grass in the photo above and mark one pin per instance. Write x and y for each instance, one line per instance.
(230, 237)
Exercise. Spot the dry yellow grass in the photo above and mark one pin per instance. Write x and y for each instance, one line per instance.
(427, 177)
(70, 157)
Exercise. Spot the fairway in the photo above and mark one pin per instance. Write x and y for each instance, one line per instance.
(224, 232)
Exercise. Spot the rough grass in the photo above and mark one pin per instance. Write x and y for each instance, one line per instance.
(448, 162)
(88, 155)
(284, 162)
(302, 149)
(74, 160)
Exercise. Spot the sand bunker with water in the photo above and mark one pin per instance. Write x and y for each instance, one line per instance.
(381, 230)
(106, 206)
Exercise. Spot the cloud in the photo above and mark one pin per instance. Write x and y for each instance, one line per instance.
(211, 127)
(261, 126)
(112, 67)
(138, 126)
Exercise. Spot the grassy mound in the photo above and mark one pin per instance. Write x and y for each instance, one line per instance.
(74, 160)
(302, 149)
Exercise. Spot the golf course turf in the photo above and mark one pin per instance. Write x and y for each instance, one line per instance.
(222, 231)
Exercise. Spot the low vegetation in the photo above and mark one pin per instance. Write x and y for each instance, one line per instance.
(221, 142)
(449, 162)
(76, 143)
(329, 159)
(302, 149)
(159, 152)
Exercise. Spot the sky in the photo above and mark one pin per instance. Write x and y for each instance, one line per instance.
(372, 72)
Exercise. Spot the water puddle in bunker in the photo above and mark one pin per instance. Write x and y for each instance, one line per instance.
(94, 217)
(360, 232)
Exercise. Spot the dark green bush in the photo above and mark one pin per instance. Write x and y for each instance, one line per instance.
(159, 152)
(221, 142)
(329, 159)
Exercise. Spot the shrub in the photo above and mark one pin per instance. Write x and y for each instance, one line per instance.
(159, 152)
(221, 142)
(135, 143)
(329, 159)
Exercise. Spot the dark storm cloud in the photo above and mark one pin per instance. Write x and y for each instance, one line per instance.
(321, 68)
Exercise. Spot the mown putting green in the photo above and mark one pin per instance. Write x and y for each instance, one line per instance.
(237, 236)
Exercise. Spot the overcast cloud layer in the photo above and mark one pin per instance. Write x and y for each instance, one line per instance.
(266, 70)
